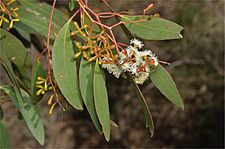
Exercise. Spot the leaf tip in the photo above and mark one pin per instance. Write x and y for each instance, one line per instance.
(107, 137)
(79, 108)
(151, 130)
(180, 36)
(42, 141)
(152, 133)
(182, 106)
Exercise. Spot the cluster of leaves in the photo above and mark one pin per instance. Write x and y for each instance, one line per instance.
(89, 85)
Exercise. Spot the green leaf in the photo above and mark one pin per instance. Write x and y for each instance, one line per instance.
(36, 72)
(4, 141)
(24, 34)
(147, 113)
(64, 67)
(114, 124)
(23, 77)
(153, 29)
(14, 49)
(72, 4)
(86, 86)
(101, 100)
(29, 112)
(8, 67)
(1, 113)
(164, 82)
(35, 16)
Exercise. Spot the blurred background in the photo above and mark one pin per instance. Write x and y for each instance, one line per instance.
(197, 68)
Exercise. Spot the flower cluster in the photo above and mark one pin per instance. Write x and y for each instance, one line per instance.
(134, 60)
(8, 12)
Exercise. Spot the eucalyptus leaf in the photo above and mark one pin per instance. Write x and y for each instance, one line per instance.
(64, 67)
(29, 112)
(35, 16)
(147, 113)
(24, 34)
(152, 28)
(101, 100)
(1, 113)
(8, 67)
(164, 82)
(23, 77)
(37, 71)
(4, 139)
(86, 74)
(72, 4)
(14, 49)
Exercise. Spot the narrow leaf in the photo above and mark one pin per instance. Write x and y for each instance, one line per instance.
(164, 82)
(4, 141)
(34, 18)
(86, 86)
(1, 113)
(114, 124)
(8, 67)
(29, 112)
(147, 113)
(24, 34)
(72, 4)
(152, 28)
(14, 49)
(23, 77)
(37, 71)
(64, 67)
(101, 100)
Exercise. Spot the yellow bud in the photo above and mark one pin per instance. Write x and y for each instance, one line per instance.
(83, 34)
(38, 92)
(1, 22)
(40, 78)
(85, 55)
(39, 86)
(50, 88)
(46, 86)
(51, 109)
(11, 24)
(92, 59)
(5, 20)
(78, 45)
(50, 100)
(16, 20)
(77, 55)
(39, 82)
(85, 26)
(43, 92)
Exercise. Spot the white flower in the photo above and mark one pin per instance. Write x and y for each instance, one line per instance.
(137, 43)
(133, 69)
(147, 69)
(145, 53)
(141, 78)
(113, 68)
(126, 67)
(139, 56)
(154, 60)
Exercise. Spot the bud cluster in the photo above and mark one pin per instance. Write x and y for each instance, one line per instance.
(8, 13)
